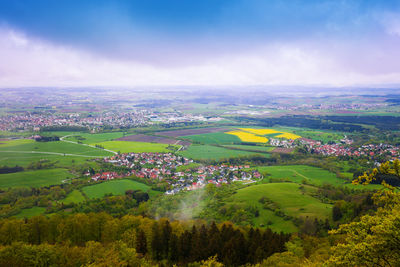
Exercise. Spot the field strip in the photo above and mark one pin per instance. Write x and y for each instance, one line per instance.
(72, 142)
(51, 153)
(296, 172)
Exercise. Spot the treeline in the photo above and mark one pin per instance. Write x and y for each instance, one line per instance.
(64, 128)
(138, 237)
(306, 121)
(47, 138)
(6, 169)
(380, 122)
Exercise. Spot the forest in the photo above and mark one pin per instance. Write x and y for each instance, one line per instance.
(130, 240)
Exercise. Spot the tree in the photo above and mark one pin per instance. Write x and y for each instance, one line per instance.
(141, 242)
(374, 240)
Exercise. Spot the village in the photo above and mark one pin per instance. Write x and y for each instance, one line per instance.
(36, 121)
(165, 167)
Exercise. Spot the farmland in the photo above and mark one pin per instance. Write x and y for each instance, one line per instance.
(312, 175)
(88, 138)
(248, 137)
(213, 138)
(152, 139)
(59, 154)
(35, 178)
(298, 173)
(262, 149)
(205, 152)
(136, 147)
(288, 197)
(194, 131)
(52, 147)
(115, 187)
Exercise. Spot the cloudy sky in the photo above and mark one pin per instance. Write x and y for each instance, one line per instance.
(199, 42)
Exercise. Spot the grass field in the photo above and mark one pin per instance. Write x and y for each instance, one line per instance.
(213, 138)
(288, 197)
(35, 178)
(313, 175)
(136, 147)
(252, 148)
(25, 151)
(212, 152)
(297, 173)
(53, 147)
(74, 197)
(27, 213)
(88, 138)
(15, 142)
(116, 187)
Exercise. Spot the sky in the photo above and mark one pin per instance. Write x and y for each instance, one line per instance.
(199, 42)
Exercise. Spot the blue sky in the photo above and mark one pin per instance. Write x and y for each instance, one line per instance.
(207, 42)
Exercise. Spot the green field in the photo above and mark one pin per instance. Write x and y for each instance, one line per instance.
(322, 135)
(88, 138)
(252, 148)
(136, 147)
(27, 213)
(212, 152)
(313, 175)
(297, 173)
(116, 187)
(15, 142)
(23, 152)
(35, 178)
(54, 147)
(289, 198)
(213, 138)
(74, 197)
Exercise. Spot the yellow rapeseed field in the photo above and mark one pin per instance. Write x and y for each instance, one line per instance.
(288, 136)
(255, 135)
(249, 137)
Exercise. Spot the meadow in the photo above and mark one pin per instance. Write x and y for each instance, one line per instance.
(136, 147)
(213, 138)
(35, 178)
(312, 175)
(262, 149)
(88, 138)
(298, 173)
(73, 197)
(205, 152)
(24, 152)
(28, 213)
(290, 198)
(60, 147)
(116, 187)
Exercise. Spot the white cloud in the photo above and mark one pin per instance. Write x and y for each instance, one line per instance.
(27, 61)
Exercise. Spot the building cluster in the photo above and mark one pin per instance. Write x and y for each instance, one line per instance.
(282, 143)
(164, 167)
(34, 121)
(344, 149)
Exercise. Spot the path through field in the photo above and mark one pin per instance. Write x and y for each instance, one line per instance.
(50, 153)
(296, 172)
(62, 139)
